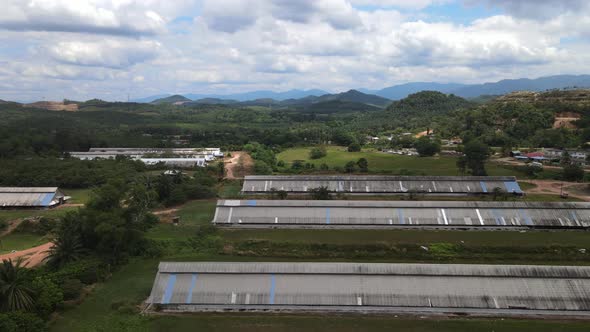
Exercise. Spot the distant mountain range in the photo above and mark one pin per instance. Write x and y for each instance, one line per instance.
(401, 91)
(246, 96)
(349, 97)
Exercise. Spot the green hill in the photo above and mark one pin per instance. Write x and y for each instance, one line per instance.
(355, 96)
(428, 103)
(171, 100)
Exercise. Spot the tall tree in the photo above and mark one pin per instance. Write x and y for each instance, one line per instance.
(476, 153)
(67, 246)
(15, 294)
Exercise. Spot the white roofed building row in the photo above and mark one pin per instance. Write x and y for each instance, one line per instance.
(31, 197)
(401, 214)
(179, 157)
(382, 185)
(372, 287)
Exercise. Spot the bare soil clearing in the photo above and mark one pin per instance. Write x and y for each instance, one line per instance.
(238, 165)
(31, 257)
(555, 187)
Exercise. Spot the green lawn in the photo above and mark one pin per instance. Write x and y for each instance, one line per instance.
(192, 215)
(380, 162)
(472, 238)
(20, 241)
(230, 189)
(526, 185)
(6, 215)
(79, 196)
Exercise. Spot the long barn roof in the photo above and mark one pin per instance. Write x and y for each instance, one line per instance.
(29, 196)
(498, 289)
(380, 184)
(384, 214)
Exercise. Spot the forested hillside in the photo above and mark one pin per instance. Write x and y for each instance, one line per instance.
(512, 120)
(427, 104)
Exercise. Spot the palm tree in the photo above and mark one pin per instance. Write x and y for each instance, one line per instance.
(67, 248)
(14, 292)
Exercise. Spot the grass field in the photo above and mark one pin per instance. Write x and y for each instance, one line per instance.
(20, 241)
(380, 162)
(79, 196)
(230, 189)
(475, 238)
(192, 215)
(6, 215)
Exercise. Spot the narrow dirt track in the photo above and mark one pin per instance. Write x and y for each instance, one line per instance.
(31, 257)
(12, 225)
(169, 211)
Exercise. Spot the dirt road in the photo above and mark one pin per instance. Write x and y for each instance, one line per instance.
(511, 162)
(31, 257)
(238, 165)
(555, 187)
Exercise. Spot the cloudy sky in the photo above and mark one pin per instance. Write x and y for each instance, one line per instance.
(82, 49)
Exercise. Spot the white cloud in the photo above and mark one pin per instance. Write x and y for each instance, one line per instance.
(234, 15)
(116, 17)
(237, 45)
(536, 9)
(105, 53)
(407, 4)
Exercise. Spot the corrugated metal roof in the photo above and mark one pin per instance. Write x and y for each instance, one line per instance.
(28, 189)
(377, 178)
(482, 270)
(199, 286)
(406, 204)
(515, 215)
(29, 196)
(351, 184)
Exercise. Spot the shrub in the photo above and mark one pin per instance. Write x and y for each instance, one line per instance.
(426, 147)
(297, 164)
(72, 288)
(198, 191)
(324, 167)
(262, 168)
(350, 167)
(17, 321)
(88, 271)
(318, 152)
(321, 193)
(354, 147)
(363, 165)
(177, 196)
(573, 173)
(49, 295)
(282, 194)
(40, 226)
